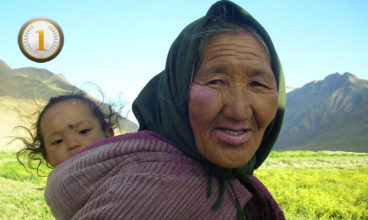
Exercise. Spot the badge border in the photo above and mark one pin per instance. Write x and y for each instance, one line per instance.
(25, 52)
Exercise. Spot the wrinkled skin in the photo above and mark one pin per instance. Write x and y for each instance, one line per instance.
(233, 99)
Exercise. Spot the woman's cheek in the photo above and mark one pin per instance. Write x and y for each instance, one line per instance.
(203, 99)
(268, 105)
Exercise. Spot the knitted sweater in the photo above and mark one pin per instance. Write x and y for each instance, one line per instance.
(139, 176)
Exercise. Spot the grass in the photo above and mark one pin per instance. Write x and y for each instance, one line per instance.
(306, 185)
(21, 192)
(318, 185)
(22, 200)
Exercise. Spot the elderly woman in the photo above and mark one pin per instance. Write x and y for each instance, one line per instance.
(206, 122)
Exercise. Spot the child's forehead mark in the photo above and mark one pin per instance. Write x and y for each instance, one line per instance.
(70, 126)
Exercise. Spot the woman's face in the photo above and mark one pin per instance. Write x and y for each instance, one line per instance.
(67, 127)
(232, 100)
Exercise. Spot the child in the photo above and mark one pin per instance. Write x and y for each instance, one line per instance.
(66, 125)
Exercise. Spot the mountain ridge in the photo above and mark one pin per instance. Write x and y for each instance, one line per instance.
(328, 114)
(319, 110)
(3, 65)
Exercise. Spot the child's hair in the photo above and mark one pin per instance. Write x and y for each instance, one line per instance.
(34, 145)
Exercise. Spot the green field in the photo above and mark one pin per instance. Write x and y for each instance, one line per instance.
(21, 192)
(307, 185)
(318, 185)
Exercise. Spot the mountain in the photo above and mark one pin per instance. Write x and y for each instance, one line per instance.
(289, 89)
(23, 90)
(31, 83)
(330, 114)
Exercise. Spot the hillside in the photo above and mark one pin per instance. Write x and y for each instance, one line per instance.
(330, 114)
(31, 83)
(24, 90)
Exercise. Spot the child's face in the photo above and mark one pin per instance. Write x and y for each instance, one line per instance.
(67, 127)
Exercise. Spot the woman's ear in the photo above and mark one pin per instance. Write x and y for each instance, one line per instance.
(109, 132)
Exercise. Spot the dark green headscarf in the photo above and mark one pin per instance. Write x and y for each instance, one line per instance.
(162, 106)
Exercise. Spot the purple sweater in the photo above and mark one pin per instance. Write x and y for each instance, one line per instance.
(140, 176)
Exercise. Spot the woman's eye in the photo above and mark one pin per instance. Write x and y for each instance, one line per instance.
(216, 82)
(257, 84)
(84, 131)
(59, 141)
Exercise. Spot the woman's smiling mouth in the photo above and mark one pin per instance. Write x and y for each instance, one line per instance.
(233, 137)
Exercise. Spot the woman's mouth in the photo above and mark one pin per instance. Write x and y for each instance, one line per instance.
(233, 137)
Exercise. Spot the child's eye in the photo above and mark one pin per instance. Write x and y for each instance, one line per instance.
(84, 131)
(59, 141)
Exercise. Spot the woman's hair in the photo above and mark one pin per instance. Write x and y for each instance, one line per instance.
(35, 150)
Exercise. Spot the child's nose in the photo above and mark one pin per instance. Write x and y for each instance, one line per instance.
(73, 142)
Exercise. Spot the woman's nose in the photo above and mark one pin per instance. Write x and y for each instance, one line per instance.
(237, 104)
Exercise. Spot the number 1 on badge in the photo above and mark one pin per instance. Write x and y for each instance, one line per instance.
(40, 40)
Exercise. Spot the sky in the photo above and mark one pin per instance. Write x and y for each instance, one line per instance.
(121, 45)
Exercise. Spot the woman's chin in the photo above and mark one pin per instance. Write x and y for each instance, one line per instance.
(231, 163)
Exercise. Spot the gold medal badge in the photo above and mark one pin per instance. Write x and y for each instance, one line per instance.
(40, 39)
